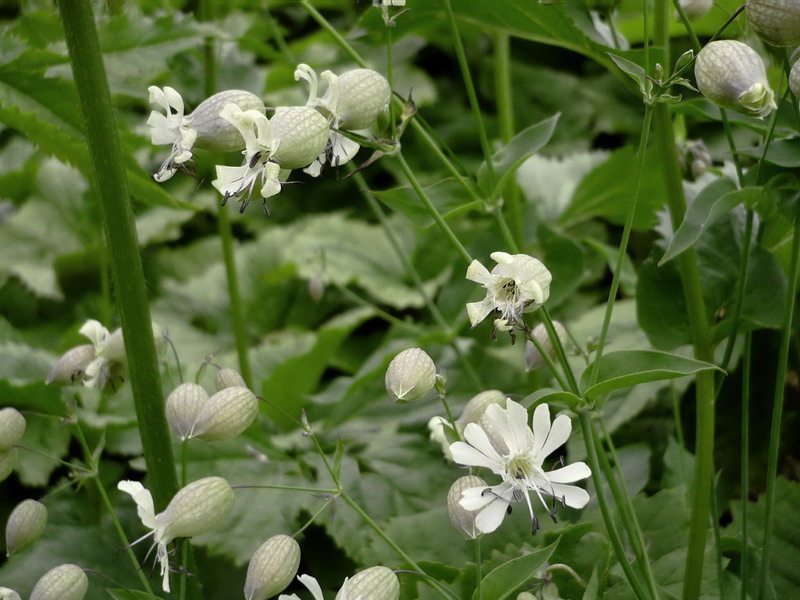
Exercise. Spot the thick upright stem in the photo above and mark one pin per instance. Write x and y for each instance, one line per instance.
(120, 231)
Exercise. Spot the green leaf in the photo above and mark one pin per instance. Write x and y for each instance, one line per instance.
(627, 279)
(626, 368)
(508, 159)
(635, 72)
(501, 582)
(446, 195)
(549, 396)
(784, 153)
(564, 258)
(712, 203)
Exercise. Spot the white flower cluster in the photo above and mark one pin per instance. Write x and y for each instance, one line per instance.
(294, 137)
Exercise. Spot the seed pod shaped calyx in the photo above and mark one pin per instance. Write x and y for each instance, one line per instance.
(197, 508)
(25, 525)
(183, 407)
(215, 133)
(474, 409)
(794, 79)
(8, 594)
(12, 427)
(301, 133)
(375, 583)
(227, 377)
(272, 567)
(695, 9)
(226, 414)
(410, 375)
(71, 366)
(65, 582)
(732, 75)
(461, 518)
(777, 22)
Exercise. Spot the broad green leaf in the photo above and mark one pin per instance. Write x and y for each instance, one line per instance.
(609, 188)
(626, 368)
(508, 159)
(660, 305)
(564, 257)
(627, 279)
(715, 200)
(634, 71)
(447, 196)
(501, 582)
(550, 396)
(583, 549)
(784, 153)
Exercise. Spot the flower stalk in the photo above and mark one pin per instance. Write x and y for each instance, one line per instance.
(120, 232)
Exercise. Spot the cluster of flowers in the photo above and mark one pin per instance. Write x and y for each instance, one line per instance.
(101, 363)
(294, 137)
(495, 428)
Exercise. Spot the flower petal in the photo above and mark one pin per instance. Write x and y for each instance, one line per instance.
(558, 436)
(478, 311)
(144, 501)
(475, 498)
(478, 273)
(312, 586)
(570, 473)
(541, 427)
(572, 495)
(491, 517)
(464, 454)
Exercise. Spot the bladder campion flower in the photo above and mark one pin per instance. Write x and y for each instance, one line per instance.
(518, 284)
(272, 567)
(197, 508)
(410, 375)
(504, 443)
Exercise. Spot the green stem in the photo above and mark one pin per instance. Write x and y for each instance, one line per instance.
(476, 544)
(473, 96)
(777, 408)
(323, 22)
(439, 588)
(88, 457)
(409, 267)
(234, 297)
(63, 463)
(623, 245)
(745, 462)
(548, 359)
(559, 347)
(608, 519)
(120, 230)
(379, 312)
(619, 489)
(286, 488)
(432, 210)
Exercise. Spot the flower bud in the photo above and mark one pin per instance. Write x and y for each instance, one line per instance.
(438, 428)
(272, 567)
(410, 375)
(302, 134)
(25, 525)
(732, 75)
(461, 518)
(474, 409)
(183, 407)
(8, 594)
(214, 132)
(226, 414)
(197, 508)
(12, 427)
(227, 377)
(375, 583)
(777, 22)
(64, 582)
(8, 460)
(70, 367)
(696, 9)
(525, 596)
(364, 94)
(534, 358)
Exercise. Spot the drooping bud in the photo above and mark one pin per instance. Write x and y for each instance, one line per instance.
(8, 594)
(70, 367)
(272, 567)
(364, 94)
(8, 460)
(534, 358)
(410, 375)
(777, 22)
(226, 414)
(302, 134)
(25, 525)
(732, 75)
(227, 377)
(474, 409)
(375, 583)
(197, 508)
(696, 9)
(64, 582)
(183, 408)
(215, 133)
(461, 518)
(12, 427)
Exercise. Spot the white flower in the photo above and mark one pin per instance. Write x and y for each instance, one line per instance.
(505, 444)
(312, 586)
(518, 284)
(259, 147)
(98, 371)
(170, 128)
